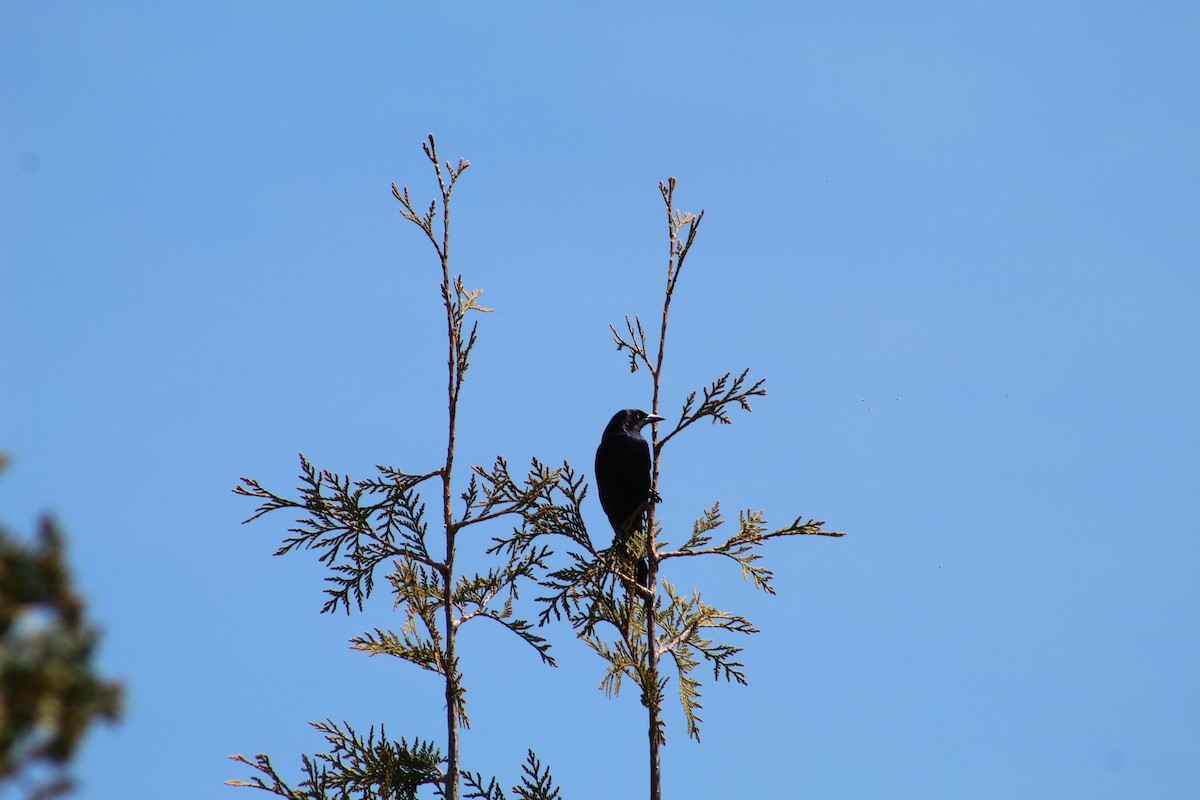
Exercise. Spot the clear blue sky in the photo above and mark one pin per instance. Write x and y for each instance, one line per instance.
(961, 241)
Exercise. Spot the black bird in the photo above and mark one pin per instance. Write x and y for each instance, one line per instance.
(623, 479)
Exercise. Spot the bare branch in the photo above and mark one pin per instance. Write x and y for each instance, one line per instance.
(635, 344)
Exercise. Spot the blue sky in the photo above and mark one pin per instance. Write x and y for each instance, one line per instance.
(961, 241)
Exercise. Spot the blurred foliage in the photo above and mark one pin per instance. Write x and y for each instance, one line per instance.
(49, 691)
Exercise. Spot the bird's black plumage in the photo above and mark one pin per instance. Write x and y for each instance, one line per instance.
(623, 477)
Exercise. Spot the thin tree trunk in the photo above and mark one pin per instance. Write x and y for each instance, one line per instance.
(454, 381)
(655, 701)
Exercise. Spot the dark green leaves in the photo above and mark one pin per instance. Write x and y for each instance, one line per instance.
(742, 546)
(363, 767)
(717, 396)
(536, 784)
(357, 525)
(502, 495)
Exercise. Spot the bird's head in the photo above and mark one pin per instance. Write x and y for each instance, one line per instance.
(633, 420)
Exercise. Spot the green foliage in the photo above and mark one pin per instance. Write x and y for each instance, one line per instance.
(354, 531)
(536, 784)
(742, 546)
(718, 395)
(49, 691)
(502, 494)
(632, 628)
(360, 526)
(684, 622)
(362, 767)
(608, 610)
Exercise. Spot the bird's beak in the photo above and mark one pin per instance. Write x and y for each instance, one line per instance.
(653, 418)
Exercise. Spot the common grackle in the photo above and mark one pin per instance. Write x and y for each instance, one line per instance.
(623, 480)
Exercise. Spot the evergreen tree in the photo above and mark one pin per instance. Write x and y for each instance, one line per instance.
(360, 525)
(50, 693)
(649, 632)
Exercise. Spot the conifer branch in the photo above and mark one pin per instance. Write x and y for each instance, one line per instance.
(678, 221)
(536, 781)
(625, 657)
(716, 397)
(421, 596)
(520, 627)
(365, 766)
(752, 533)
(577, 591)
(477, 789)
(313, 786)
(424, 220)
(557, 510)
(684, 621)
(502, 495)
(354, 534)
(481, 590)
(405, 645)
(639, 354)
